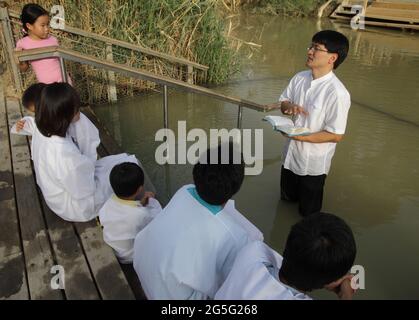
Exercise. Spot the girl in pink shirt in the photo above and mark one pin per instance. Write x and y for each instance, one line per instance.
(35, 20)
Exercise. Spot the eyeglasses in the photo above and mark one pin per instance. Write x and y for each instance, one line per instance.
(316, 48)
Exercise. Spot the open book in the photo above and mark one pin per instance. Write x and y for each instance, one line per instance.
(286, 126)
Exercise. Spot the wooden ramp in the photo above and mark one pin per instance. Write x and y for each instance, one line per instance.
(33, 239)
(382, 14)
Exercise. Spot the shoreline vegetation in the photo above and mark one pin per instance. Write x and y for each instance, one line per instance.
(293, 8)
(198, 30)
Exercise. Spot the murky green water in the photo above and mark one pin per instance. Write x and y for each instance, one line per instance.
(374, 180)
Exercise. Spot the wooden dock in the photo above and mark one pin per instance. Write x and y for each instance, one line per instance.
(404, 15)
(33, 239)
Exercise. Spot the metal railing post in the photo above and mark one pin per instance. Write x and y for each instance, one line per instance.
(165, 110)
(64, 76)
(10, 47)
(112, 96)
(239, 117)
(189, 74)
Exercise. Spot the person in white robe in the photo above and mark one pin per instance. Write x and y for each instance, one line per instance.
(123, 215)
(187, 251)
(74, 185)
(83, 132)
(257, 274)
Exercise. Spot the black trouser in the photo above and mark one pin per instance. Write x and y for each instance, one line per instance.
(306, 190)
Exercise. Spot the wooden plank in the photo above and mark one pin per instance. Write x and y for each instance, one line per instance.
(9, 230)
(36, 246)
(394, 5)
(12, 278)
(105, 267)
(410, 16)
(12, 267)
(133, 281)
(79, 284)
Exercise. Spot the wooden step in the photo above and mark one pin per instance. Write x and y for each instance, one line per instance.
(411, 16)
(395, 5)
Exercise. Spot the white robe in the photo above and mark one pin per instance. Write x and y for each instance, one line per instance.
(74, 186)
(83, 133)
(186, 252)
(122, 220)
(254, 276)
(86, 136)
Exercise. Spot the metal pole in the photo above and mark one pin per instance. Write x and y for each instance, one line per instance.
(165, 111)
(112, 96)
(63, 70)
(9, 43)
(239, 117)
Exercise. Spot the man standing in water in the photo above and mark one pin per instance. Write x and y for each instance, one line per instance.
(319, 101)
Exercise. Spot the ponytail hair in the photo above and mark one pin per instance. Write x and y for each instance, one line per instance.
(30, 13)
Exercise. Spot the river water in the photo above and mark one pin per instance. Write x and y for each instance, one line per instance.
(374, 180)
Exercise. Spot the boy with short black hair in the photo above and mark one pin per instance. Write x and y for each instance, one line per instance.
(31, 96)
(123, 215)
(319, 253)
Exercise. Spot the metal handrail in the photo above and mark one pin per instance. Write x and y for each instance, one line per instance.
(70, 55)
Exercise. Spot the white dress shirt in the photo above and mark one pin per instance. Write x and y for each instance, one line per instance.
(327, 101)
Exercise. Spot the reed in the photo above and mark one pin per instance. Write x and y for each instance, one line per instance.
(296, 8)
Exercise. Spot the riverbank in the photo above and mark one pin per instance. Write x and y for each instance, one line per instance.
(292, 8)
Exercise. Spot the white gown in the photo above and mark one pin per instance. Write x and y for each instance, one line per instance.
(187, 251)
(74, 185)
(86, 136)
(122, 220)
(83, 132)
(254, 276)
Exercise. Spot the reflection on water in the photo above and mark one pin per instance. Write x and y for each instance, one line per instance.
(374, 180)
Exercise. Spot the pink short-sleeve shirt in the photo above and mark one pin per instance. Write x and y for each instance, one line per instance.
(46, 70)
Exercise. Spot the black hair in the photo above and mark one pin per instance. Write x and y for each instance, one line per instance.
(30, 13)
(320, 249)
(334, 42)
(217, 182)
(126, 178)
(58, 104)
(32, 95)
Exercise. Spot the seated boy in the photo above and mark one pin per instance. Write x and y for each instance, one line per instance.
(319, 253)
(83, 132)
(187, 251)
(123, 216)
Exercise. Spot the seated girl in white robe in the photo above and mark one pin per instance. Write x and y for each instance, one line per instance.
(74, 185)
(124, 215)
(187, 251)
(83, 132)
(319, 253)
